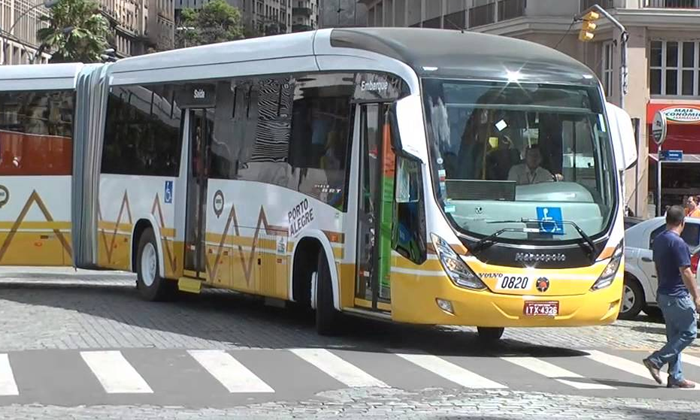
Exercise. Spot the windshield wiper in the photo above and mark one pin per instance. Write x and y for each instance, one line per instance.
(486, 242)
(586, 243)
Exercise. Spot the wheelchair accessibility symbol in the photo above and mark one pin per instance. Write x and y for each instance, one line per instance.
(168, 196)
(551, 220)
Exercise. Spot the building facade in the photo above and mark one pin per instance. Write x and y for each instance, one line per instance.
(663, 60)
(138, 26)
(268, 17)
(342, 14)
(304, 15)
(19, 22)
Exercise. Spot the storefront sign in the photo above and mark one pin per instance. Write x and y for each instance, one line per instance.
(659, 127)
(682, 115)
(671, 155)
(676, 114)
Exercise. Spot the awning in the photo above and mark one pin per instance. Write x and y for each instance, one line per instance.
(687, 158)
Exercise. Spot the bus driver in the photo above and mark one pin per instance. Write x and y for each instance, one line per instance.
(531, 172)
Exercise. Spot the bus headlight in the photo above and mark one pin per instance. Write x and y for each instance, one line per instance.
(608, 275)
(458, 271)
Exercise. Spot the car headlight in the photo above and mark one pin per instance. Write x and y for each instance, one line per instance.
(458, 271)
(608, 275)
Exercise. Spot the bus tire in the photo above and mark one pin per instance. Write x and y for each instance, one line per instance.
(327, 317)
(490, 335)
(150, 284)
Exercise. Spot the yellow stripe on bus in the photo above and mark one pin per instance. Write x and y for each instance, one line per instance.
(37, 225)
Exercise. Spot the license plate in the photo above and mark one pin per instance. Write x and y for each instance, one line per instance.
(541, 308)
(509, 282)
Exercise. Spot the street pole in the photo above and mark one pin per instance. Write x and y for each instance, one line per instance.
(658, 182)
(46, 3)
(624, 37)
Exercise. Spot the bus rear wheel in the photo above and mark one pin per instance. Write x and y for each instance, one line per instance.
(327, 317)
(150, 284)
(489, 335)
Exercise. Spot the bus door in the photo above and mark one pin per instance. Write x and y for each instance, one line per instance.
(200, 132)
(375, 208)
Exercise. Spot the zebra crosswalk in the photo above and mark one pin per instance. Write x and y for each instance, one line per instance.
(264, 374)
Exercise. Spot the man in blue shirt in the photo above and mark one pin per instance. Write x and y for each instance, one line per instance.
(677, 297)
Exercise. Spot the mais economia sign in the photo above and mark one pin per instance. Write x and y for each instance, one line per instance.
(677, 114)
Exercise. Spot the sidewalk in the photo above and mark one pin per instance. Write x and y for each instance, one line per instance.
(57, 273)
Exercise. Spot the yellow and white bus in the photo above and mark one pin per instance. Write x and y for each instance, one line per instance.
(422, 176)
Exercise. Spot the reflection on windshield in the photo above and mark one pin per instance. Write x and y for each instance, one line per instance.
(510, 152)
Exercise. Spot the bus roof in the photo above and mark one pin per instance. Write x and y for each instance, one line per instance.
(49, 76)
(429, 52)
(467, 55)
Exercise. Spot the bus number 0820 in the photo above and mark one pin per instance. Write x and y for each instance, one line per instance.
(514, 282)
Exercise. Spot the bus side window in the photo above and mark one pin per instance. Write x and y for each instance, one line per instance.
(321, 132)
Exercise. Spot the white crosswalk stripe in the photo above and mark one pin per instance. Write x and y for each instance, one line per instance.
(115, 373)
(635, 368)
(338, 368)
(450, 371)
(8, 386)
(235, 377)
(620, 363)
(689, 359)
(552, 371)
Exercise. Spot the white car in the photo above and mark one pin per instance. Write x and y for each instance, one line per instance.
(639, 292)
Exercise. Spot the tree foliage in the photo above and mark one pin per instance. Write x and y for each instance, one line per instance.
(217, 21)
(77, 32)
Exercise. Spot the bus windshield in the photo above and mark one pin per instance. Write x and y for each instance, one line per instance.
(524, 162)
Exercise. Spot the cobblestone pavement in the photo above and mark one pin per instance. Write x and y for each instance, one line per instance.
(393, 404)
(93, 313)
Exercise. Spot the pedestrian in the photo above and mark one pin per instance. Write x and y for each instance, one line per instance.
(678, 299)
(691, 205)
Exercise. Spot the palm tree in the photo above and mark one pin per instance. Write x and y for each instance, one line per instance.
(77, 32)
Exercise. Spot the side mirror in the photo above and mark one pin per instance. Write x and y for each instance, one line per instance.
(622, 136)
(410, 131)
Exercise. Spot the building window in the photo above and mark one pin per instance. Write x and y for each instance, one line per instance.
(607, 68)
(674, 68)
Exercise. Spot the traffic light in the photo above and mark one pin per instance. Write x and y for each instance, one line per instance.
(588, 26)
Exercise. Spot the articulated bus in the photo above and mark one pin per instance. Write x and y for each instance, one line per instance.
(421, 176)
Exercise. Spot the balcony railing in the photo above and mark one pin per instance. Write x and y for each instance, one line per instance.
(510, 9)
(302, 28)
(482, 15)
(301, 11)
(673, 4)
(455, 21)
(605, 4)
(432, 23)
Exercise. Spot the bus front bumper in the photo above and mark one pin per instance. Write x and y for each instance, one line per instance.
(417, 303)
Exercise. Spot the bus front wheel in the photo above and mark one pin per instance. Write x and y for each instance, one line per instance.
(489, 334)
(327, 317)
(150, 284)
